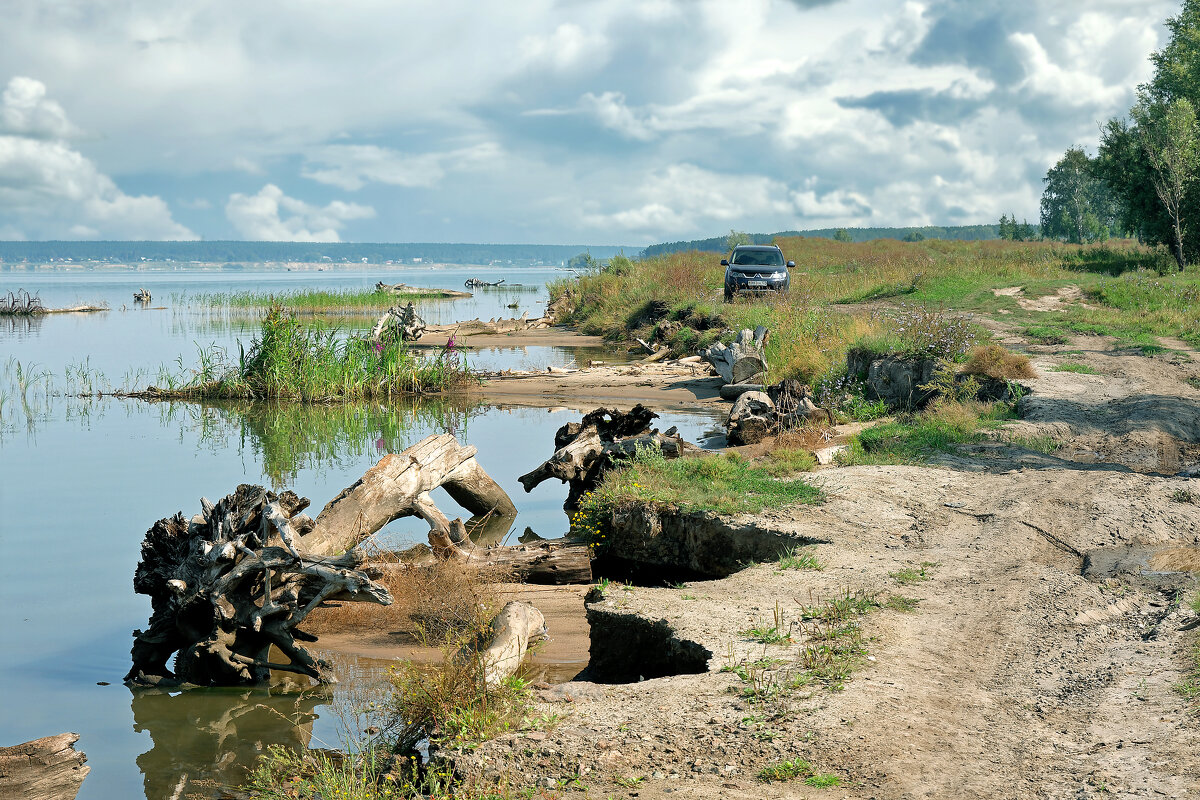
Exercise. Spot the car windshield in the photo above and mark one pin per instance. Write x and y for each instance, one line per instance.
(758, 258)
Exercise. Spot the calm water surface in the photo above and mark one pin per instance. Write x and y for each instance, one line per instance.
(82, 479)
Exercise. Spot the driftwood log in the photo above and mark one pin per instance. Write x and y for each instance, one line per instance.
(244, 574)
(786, 405)
(404, 290)
(585, 450)
(401, 322)
(142, 296)
(472, 283)
(744, 361)
(49, 768)
(508, 638)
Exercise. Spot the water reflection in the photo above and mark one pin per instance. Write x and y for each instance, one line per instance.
(291, 437)
(208, 739)
(20, 326)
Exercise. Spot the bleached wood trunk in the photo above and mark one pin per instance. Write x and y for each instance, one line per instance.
(511, 632)
(399, 486)
(49, 768)
(744, 361)
(404, 321)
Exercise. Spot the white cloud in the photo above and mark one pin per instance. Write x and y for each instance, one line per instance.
(243, 164)
(351, 167)
(684, 197)
(25, 111)
(551, 121)
(261, 217)
(51, 190)
(569, 46)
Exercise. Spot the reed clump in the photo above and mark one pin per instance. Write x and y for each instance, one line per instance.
(291, 361)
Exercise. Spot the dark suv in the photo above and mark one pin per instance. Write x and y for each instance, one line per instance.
(756, 268)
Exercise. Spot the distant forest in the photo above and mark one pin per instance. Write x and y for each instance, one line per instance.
(717, 244)
(258, 252)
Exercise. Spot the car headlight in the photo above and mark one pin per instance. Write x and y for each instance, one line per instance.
(778, 275)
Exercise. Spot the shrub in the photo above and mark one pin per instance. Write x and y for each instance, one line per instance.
(993, 361)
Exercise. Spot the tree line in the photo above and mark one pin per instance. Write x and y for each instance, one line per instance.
(1142, 181)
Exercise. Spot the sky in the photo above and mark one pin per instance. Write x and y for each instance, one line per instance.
(547, 121)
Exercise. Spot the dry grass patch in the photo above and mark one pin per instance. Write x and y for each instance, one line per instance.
(431, 602)
(993, 361)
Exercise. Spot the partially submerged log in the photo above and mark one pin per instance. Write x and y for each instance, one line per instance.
(472, 283)
(246, 572)
(404, 290)
(397, 322)
(744, 361)
(585, 450)
(399, 486)
(142, 296)
(49, 768)
(473, 327)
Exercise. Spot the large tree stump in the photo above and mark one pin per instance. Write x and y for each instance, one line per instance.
(243, 575)
(744, 361)
(49, 768)
(230, 583)
(585, 450)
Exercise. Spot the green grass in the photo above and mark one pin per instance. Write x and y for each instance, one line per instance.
(799, 558)
(901, 603)
(822, 780)
(813, 328)
(787, 770)
(1070, 366)
(910, 575)
(725, 484)
(312, 363)
(915, 438)
(1186, 496)
(764, 634)
(308, 301)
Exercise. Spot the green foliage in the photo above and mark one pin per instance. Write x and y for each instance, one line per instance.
(1076, 204)
(289, 360)
(737, 238)
(1010, 230)
(788, 770)
(910, 575)
(898, 602)
(282, 774)
(725, 483)
(822, 780)
(843, 235)
(1150, 161)
(799, 558)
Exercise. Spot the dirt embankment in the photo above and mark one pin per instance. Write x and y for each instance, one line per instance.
(1039, 660)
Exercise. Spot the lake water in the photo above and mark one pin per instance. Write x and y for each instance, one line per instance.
(82, 479)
